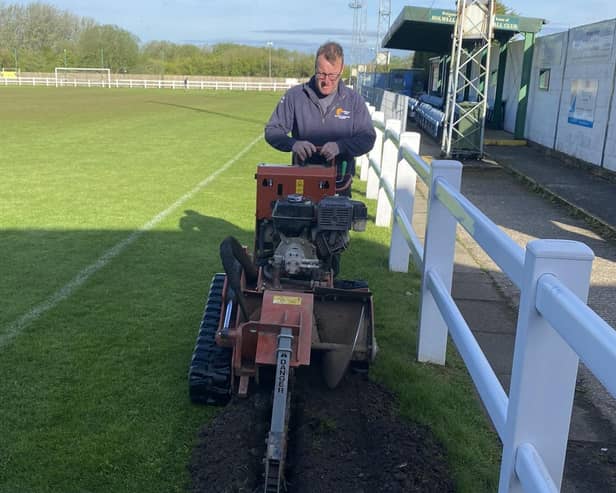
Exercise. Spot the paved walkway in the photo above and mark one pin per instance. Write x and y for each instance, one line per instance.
(563, 202)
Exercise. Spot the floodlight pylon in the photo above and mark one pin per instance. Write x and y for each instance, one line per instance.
(467, 93)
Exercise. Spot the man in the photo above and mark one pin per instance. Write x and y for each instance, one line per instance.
(322, 113)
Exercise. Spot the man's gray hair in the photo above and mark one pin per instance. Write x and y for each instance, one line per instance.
(332, 52)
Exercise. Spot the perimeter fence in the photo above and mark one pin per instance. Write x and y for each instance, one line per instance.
(188, 84)
(555, 329)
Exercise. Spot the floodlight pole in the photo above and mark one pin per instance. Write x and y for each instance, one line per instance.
(269, 45)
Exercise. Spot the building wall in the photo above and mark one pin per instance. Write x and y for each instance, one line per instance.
(511, 87)
(544, 102)
(576, 112)
(494, 57)
(587, 91)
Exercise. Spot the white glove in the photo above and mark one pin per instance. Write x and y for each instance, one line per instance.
(303, 149)
(330, 150)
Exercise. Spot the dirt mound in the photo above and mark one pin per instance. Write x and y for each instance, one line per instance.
(345, 440)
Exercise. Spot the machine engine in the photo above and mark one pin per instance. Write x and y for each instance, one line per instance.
(306, 237)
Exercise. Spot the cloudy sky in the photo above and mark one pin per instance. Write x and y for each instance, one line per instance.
(290, 24)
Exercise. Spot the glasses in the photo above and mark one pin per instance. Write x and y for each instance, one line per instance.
(323, 75)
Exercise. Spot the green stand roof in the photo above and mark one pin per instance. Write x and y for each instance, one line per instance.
(423, 29)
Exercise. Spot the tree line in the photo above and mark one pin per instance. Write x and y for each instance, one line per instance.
(39, 37)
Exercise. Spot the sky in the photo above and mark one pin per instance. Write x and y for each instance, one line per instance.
(291, 24)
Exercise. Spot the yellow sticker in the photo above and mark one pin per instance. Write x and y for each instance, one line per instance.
(286, 300)
(299, 186)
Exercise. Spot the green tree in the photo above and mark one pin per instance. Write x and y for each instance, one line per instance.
(31, 36)
(501, 8)
(108, 46)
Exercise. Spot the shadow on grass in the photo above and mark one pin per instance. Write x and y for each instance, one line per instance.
(98, 377)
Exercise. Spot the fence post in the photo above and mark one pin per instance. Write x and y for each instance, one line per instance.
(406, 179)
(389, 162)
(439, 248)
(374, 157)
(364, 161)
(544, 368)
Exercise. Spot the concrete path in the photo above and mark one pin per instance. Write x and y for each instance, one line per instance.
(531, 195)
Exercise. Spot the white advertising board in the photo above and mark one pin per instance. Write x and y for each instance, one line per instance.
(583, 102)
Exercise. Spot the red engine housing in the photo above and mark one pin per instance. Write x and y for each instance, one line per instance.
(275, 181)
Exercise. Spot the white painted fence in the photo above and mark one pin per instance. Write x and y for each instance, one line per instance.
(555, 326)
(146, 84)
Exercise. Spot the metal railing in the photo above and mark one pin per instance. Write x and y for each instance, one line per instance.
(235, 85)
(555, 327)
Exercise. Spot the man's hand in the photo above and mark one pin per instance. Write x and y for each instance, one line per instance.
(303, 149)
(330, 150)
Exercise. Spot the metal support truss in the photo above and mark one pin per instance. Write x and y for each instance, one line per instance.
(382, 28)
(469, 74)
(358, 7)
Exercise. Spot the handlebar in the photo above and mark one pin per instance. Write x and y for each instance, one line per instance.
(343, 181)
(296, 161)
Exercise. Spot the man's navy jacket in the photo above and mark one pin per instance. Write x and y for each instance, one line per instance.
(346, 122)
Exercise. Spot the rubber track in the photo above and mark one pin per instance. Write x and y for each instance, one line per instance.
(209, 374)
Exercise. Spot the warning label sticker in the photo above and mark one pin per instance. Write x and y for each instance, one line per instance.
(299, 186)
(286, 300)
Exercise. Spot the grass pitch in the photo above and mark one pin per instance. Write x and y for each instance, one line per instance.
(113, 204)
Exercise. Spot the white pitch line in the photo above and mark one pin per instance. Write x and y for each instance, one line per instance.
(15, 328)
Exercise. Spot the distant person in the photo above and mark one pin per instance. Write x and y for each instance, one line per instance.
(186, 83)
(322, 113)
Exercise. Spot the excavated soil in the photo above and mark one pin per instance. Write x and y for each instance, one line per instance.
(350, 439)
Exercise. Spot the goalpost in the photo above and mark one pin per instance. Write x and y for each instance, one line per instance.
(83, 76)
